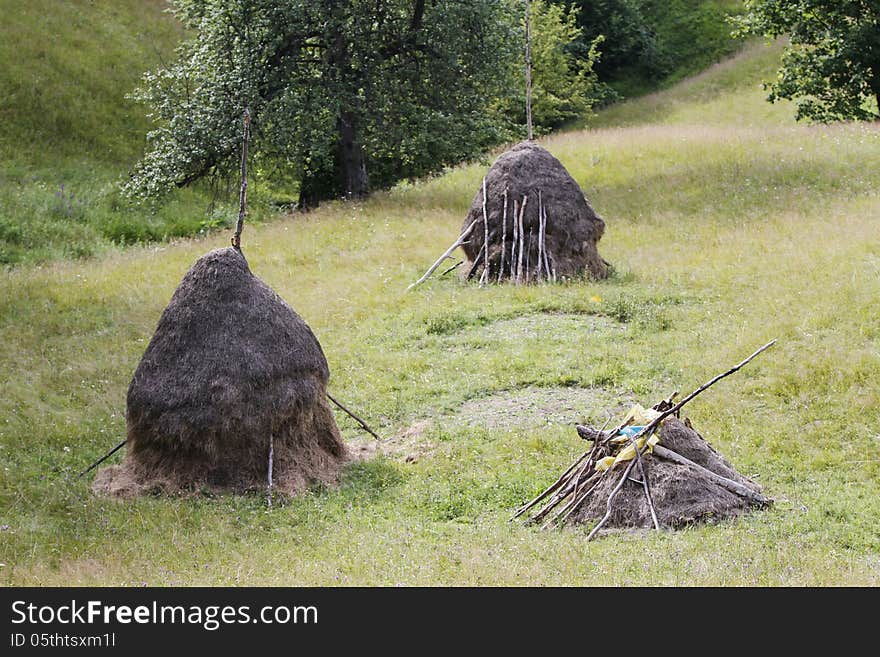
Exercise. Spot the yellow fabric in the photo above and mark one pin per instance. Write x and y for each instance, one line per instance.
(640, 416)
(628, 453)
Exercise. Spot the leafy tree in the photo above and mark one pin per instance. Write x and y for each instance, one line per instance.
(565, 85)
(832, 66)
(345, 94)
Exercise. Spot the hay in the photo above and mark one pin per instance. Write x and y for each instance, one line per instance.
(230, 370)
(564, 247)
(651, 471)
(682, 494)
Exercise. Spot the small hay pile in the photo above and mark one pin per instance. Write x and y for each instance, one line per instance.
(229, 395)
(652, 471)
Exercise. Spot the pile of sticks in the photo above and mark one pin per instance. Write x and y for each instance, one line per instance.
(582, 478)
(516, 266)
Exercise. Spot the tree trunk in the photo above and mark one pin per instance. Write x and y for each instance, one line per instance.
(351, 166)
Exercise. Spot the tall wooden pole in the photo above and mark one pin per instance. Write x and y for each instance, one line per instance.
(242, 198)
(529, 69)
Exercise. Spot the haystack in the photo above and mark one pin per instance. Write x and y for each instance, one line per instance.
(653, 470)
(231, 375)
(539, 224)
(681, 493)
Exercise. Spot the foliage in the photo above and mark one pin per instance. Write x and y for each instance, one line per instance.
(403, 85)
(832, 66)
(564, 84)
(631, 43)
(649, 43)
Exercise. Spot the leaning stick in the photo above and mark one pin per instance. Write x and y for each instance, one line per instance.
(709, 384)
(519, 264)
(581, 493)
(528, 256)
(503, 238)
(485, 276)
(515, 238)
(102, 459)
(645, 484)
(729, 484)
(446, 254)
(354, 417)
(556, 484)
(269, 471)
(540, 234)
(611, 497)
(588, 432)
(455, 266)
(544, 244)
(476, 263)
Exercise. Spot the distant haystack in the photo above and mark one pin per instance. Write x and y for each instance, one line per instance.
(231, 375)
(539, 224)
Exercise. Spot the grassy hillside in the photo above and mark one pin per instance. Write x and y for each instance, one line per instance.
(68, 134)
(727, 227)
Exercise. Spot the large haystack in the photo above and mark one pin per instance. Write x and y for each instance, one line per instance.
(231, 372)
(554, 237)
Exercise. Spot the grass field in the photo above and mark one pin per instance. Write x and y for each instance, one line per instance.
(727, 225)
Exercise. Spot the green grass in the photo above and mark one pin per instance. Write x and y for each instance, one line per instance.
(68, 134)
(726, 228)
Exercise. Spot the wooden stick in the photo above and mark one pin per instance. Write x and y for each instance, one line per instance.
(645, 484)
(522, 236)
(540, 234)
(544, 240)
(354, 417)
(585, 432)
(503, 238)
(242, 197)
(515, 240)
(446, 254)
(589, 453)
(729, 484)
(528, 256)
(611, 497)
(102, 459)
(556, 484)
(710, 383)
(578, 498)
(529, 70)
(485, 276)
(269, 472)
(446, 271)
(475, 265)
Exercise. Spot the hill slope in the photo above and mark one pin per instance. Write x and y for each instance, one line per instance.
(726, 231)
(67, 132)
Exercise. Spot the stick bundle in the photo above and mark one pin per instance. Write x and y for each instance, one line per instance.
(583, 477)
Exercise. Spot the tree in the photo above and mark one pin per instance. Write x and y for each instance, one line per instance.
(630, 45)
(345, 95)
(832, 66)
(565, 85)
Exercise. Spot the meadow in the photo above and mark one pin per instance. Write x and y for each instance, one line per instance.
(727, 225)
